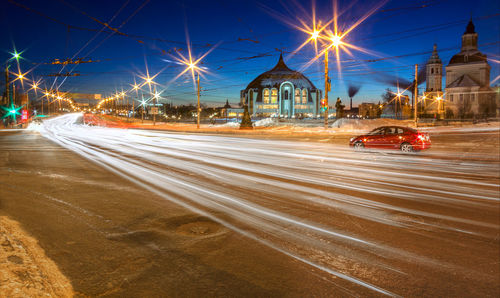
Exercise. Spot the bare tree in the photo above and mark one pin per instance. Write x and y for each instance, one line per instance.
(464, 109)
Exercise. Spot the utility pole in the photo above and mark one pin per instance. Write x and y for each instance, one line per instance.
(327, 88)
(198, 94)
(142, 101)
(154, 108)
(416, 93)
(7, 88)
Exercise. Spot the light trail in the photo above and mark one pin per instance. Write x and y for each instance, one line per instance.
(314, 202)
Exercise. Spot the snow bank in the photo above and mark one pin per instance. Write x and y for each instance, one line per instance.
(480, 127)
(362, 125)
(229, 124)
(265, 122)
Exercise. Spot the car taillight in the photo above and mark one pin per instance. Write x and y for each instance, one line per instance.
(423, 137)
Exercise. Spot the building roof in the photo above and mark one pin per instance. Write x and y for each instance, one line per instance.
(470, 29)
(463, 81)
(279, 74)
(468, 57)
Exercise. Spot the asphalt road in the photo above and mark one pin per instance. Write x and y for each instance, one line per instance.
(149, 213)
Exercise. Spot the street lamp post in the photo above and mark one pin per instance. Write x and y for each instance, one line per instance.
(415, 95)
(398, 102)
(327, 88)
(143, 103)
(154, 107)
(198, 95)
(439, 109)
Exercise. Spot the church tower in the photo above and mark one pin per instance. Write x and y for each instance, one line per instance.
(434, 72)
(469, 38)
(432, 101)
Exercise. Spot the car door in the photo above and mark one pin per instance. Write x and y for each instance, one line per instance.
(400, 137)
(391, 139)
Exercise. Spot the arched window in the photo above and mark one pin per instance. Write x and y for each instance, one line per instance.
(274, 95)
(265, 96)
(432, 70)
(304, 96)
(297, 96)
(286, 94)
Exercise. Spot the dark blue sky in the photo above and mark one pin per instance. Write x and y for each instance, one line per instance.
(399, 28)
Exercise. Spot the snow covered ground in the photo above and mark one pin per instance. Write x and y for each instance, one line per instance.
(346, 125)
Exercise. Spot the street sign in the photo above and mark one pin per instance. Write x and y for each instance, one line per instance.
(24, 115)
(154, 110)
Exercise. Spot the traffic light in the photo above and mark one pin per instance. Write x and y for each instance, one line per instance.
(11, 111)
(323, 105)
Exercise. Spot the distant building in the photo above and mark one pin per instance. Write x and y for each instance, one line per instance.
(468, 91)
(229, 112)
(85, 100)
(398, 108)
(352, 112)
(368, 110)
(281, 91)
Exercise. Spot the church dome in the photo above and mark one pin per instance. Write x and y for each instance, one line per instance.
(469, 52)
(279, 74)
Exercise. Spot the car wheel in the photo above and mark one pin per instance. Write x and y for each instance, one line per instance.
(358, 146)
(407, 148)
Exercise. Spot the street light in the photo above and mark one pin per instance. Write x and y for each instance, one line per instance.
(155, 109)
(331, 39)
(143, 103)
(440, 103)
(135, 87)
(192, 66)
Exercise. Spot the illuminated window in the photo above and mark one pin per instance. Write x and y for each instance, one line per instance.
(266, 95)
(297, 96)
(274, 95)
(304, 96)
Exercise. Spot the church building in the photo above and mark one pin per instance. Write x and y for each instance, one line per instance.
(468, 90)
(281, 92)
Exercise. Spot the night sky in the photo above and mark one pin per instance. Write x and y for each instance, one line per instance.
(403, 31)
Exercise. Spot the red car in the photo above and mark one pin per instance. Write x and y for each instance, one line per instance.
(392, 137)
